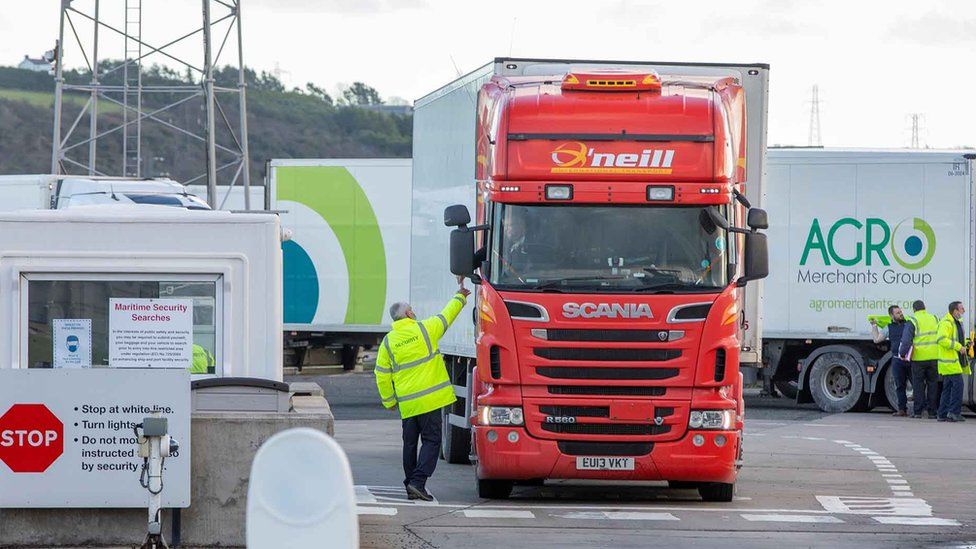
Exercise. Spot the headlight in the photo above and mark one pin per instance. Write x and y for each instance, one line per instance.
(711, 419)
(500, 415)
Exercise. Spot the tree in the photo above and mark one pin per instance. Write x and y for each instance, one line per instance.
(316, 91)
(361, 94)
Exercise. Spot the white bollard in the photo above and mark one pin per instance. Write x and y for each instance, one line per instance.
(301, 494)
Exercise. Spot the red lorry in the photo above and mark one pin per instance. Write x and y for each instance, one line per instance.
(611, 245)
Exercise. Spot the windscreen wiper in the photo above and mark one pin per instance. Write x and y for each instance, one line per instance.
(676, 287)
(555, 282)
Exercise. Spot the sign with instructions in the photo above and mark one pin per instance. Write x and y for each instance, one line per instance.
(150, 333)
(67, 440)
(72, 341)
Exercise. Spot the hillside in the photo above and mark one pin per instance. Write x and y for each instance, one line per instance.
(282, 124)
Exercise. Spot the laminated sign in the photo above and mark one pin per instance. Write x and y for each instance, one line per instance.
(150, 333)
(72, 339)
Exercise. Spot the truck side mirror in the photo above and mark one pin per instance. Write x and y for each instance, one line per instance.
(456, 216)
(756, 258)
(757, 219)
(462, 253)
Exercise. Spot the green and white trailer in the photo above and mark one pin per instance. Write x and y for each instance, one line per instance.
(348, 257)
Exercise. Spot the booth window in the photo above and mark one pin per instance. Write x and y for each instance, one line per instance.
(49, 298)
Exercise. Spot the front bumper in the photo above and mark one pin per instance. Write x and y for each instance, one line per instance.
(523, 457)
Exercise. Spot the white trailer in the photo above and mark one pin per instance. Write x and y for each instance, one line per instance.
(65, 267)
(852, 232)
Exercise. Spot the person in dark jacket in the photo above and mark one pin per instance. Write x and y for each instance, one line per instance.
(900, 368)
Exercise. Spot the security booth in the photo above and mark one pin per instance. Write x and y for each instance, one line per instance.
(141, 287)
(110, 314)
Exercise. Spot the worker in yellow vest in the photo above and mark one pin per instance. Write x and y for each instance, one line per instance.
(203, 361)
(953, 362)
(411, 375)
(920, 342)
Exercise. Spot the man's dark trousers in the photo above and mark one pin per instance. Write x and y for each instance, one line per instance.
(925, 379)
(426, 427)
(902, 370)
(951, 404)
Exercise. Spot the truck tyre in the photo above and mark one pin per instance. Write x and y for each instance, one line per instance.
(787, 387)
(836, 382)
(348, 356)
(891, 392)
(716, 491)
(455, 441)
(489, 488)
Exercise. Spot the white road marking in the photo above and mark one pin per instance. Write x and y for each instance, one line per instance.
(855, 505)
(823, 519)
(824, 425)
(896, 481)
(901, 488)
(905, 494)
(917, 521)
(614, 515)
(843, 442)
(498, 513)
(381, 511)
(890, 475)
(813, 438)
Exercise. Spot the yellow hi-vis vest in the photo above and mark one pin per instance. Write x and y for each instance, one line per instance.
(410, 371)
(949, 348)
(203, 361)
(925, 344)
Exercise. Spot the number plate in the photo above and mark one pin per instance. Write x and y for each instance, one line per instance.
(599, 463)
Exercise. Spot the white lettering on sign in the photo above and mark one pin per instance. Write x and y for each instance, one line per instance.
(23, 437)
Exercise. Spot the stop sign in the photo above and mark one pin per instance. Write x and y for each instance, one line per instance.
(31, 438)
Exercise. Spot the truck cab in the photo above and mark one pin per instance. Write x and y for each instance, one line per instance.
(612, 243)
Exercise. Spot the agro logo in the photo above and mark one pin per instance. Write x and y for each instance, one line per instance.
(577, 157)
(911, 244)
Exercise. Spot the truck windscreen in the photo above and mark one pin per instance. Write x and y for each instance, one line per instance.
(603, 249)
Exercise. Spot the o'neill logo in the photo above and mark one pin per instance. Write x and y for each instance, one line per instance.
(607, 310)
(577, 157)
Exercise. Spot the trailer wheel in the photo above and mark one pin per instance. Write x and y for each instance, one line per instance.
(494, 488)
(455, 441)
(716, 491)
(348, 356)
(836, 382)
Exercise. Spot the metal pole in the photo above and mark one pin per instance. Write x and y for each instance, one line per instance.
(93, 124)
(58, 83)
(242, 87)
(208, 85)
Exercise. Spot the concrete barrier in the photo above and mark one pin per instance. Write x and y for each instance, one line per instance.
(224, 444)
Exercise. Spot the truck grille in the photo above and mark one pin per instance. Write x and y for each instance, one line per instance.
(635, 355)
(576, 411)
(606, 335)
(611, 390)
(570, 372)
(577, 448)
(606, 428)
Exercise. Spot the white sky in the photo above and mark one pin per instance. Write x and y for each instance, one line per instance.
(875, 61)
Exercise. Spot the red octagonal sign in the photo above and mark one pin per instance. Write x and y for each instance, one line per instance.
(31, 438)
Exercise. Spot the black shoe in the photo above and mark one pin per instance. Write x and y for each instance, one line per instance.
(943, 419)
(916, 416)
(417, 493)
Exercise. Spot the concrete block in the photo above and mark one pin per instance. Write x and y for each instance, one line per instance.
(306, 388)
(224, 444)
